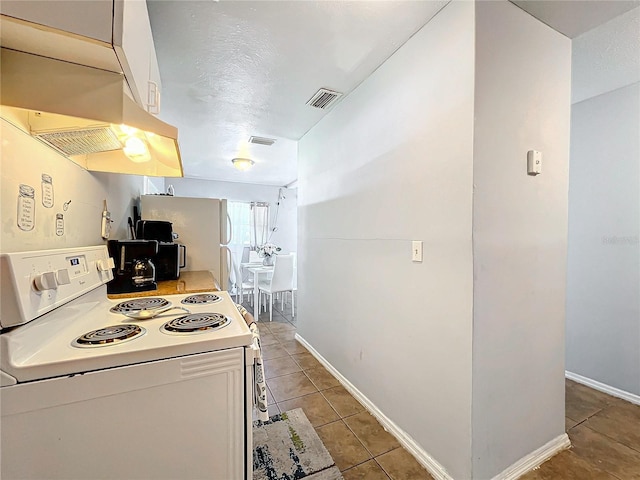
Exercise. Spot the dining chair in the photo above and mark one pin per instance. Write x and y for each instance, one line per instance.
(295, 269)
(240, 284)
(254, 257)
(245, 254)
(280, 281)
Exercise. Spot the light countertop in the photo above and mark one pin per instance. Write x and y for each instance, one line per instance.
(189, 282)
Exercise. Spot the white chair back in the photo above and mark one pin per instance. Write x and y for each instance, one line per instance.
(295, 270)
(254, 257)
(245, 254)
(282, 279)
(234, 272)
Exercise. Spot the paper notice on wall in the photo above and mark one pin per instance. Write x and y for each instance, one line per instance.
(26, 207)
(47, 190)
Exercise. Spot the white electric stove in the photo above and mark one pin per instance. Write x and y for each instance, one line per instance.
(89, 392)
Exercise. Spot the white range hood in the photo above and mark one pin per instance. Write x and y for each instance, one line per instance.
(84, 114)
(81, 111)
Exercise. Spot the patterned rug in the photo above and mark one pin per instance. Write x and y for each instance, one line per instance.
(286, 447)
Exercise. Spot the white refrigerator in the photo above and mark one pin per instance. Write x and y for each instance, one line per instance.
(203, 226)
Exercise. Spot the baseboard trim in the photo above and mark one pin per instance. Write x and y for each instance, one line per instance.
(522, 466)
(603, 387)
(535, 458)
(427, 461)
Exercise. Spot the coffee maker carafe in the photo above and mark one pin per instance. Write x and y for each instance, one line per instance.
(134, 271)
(144, 272)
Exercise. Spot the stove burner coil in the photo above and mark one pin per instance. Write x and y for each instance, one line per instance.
(201, 299)
(145, 303)
(196, 323)
(109, 335)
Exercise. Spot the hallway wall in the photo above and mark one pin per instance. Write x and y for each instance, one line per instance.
(603, 279)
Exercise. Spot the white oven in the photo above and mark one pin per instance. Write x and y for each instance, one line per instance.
(88, 392)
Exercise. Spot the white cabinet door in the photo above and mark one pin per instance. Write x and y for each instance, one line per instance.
(155, 87)
(90, 19)
(133, 44)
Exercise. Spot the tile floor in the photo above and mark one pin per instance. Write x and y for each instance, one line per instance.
(605, 439)
(604, 431)
(361, 448)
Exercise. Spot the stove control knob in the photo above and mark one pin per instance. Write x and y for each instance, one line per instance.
(45, 281)
(62, 277)
(104, 265)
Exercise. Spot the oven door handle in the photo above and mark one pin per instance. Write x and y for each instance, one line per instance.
(260, 387)
(253, 355)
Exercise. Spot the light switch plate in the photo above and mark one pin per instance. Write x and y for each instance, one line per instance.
(416, 250)
(534, 162)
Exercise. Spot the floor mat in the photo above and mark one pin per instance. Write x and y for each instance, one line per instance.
(286, 447)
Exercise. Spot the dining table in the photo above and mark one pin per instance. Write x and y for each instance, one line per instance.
(256, 269)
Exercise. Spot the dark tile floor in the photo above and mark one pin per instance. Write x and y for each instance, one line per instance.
(604, 431)
(605, 439)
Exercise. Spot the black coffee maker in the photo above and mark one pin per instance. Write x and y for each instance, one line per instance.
(169, 260)
(134, 270)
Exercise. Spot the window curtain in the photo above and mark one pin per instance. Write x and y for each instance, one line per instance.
(240, 214)
(250, 223)
(259, 223)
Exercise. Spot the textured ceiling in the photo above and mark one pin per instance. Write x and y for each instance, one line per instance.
(574, 17)
(233, 69)
(607, 57)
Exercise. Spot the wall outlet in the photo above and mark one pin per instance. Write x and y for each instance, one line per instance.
(416, 250)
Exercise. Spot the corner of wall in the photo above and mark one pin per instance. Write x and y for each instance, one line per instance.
(522, 102)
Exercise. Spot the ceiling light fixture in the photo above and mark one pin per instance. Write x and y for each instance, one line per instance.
(242, 164)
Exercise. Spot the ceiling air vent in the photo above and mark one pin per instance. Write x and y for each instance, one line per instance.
(262, 140)
(324, 98)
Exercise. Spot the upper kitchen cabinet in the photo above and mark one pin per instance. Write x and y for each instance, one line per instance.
(113, 35)
(92, 19)
(133, 43)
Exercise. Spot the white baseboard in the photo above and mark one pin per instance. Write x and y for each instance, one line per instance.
(427, 461)
(535, 458)
(603, 387)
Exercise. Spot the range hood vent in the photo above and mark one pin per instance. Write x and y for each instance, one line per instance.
(81, 142)
(262, 141)
(324, 98)
(84, 114)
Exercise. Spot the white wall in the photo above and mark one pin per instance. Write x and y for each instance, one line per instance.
(24, 160)
(603, 278)
(404, 158)
(523, 75)
(603, 289)
(389, 164)
(286, 235)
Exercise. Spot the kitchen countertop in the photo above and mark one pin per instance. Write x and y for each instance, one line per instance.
(189, 282)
